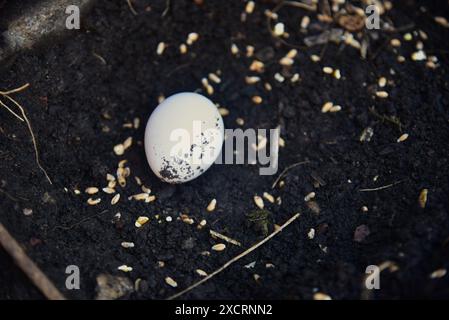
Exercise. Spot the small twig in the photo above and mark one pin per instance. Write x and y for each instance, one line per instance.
(227, 264)
(131, 7)
(380, 188)
(80, 222)
(285, 171)
(167, 8)
(8, 195)
(25, 118)
(225, 238)
(11, 111)
(28, 266)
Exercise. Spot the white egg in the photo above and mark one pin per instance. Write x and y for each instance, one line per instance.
(183, 137)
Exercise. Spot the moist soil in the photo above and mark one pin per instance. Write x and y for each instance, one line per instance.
(78, 104)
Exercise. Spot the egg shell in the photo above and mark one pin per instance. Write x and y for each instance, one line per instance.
(183, 137)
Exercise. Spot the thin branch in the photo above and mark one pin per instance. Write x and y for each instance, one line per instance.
(131, 7)
(28, 266)
(285, 171)
(380, 188)
(227, 264)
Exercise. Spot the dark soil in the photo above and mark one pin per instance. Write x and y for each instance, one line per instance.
(73, 97)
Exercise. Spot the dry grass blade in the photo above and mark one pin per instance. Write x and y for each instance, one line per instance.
(285, 171)
(241, 255)
(24, 118)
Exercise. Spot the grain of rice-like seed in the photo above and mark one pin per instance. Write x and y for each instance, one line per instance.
(419, 56)
(257, 66)
(122, 163)
(127, 245)
(249, 51)
(125, 268)
(269, 265)
(292, 53)
(268, 196)
(108, 190)
(270, 14)
(150, 199)
(145, 189)
(27, 211)
(115, 199)
(93, 202)
(259, 202)
(192, 37)
(335, 109)
(161, 264)
(240, 121)
(169, 219)
(161, 98)
(328, 70)
(267, 86)
(141, 221)
(234, 49)
(201, 272)
(76, 191)
(110, 177)
(138, 180)
(382, 82)
(423, 198)
(311, 233)
(281, 142)
(257, 99)
(408, 36)
(400, 59)
(91, 190)
(202, 223)
(249, 8)
(186, 219)
(278, 77)
(223, 112)
(213, 77)
(402, 138)
(136, 123)
(327, 107)
(211, 206)
(315, 58)
(442, 21)
(119, 149)
(252, 80)
(160, 48)
(112, 184)
(364, 209)
(419, 45)
(295, 78)
(286, 61)
(171, 282)
(382, 94)
(309, 196)
(256, 277)
(439, 273)
(337, 74)
(305, 21)
(128, 142)
(321, 296)
(395, 43)
(219, 247)
(183, 48)
(279, 29)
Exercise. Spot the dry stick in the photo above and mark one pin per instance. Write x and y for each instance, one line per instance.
(380, 188)
(11, 111)
(25, 118)
(227, 264)
(285, 170)
(28, 266)
(131, 8)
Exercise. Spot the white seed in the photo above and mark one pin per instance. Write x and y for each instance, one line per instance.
(395, 43)
(270, 14)
(191, 38)
(141, 221)
(259, 202)
(305, 21)
(337, 74)
(279, 29)
(321, 296)
(171, 282)
(93, 202)
(234, 49)
(219, 247)
(442, 21)
(92, 190)
(335, 108)
(419, 55)
(145, 189)
(160, 48)
(252, 80)
(328, 70)
(382, 94)
(240, 121)
(201, 272)
(150, 199)
(292, 53)
(309, 196)
(76, 191)
(311, 233)
(119, 149)
(211, 206)
(27, 211)
(364, 209)
(125, 268)
(401, 59)
(128, 142)
(169, 219)
(183, 48)
(115, 199)
(268, 196)
(213, 77)
(127, 245)
(267, 86)
(136, 123)
(327, 107)
(315, 58)
(438, 273)
(257, 66)
(281, 142)
(382, 82)
(110, 177)
(295, 78)
(249, 7)
(257, 99)
(249, 51)
(278, 77)
(203, 223)
(223, 112)
(286, 61)
(408, 37)
(402, 138)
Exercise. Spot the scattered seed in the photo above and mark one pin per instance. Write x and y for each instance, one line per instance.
(438, 273)
(234, 49)
(160, 48)
(136, 123)
(252, 80)
(279, 77)
(335, 109)
(309, 196)
(27, 211)
(305, 21)
(150, 199)
(311, 233)
(257, 99)
(249, 7)
(315, 58)
(91, 190)
(125, 268)
(219, 247)
(213, 77)
(337, 74)
(295, 78)
(76, 191)
(211, 206)
(141, 221)
(402, 138)
(119, 149)
(395, 43)
(408, 37)
(286, 61)
(279, 29)
(256, 277)
(321, 296)
(259, 202)
(183, 48)
(201, 272)
(207, 86)
(401, 59)
(115, 199)
(93, 202)
(382, 82)
(327, 107)
(419, 56)
(257, 66)
(249, 51)
(240, 121)
(269, 265)
(423, 198)
(171, 282)
(192, 37)
(328, 70)
(365, 209)
(223, 112)
(186, 219)
(442, 21)
(382, 94)
(268, 196)
(127, 244)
